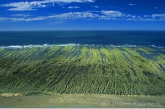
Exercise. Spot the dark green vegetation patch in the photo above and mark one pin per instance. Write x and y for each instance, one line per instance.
(83, 69)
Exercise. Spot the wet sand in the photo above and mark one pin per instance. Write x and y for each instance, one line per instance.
(80, 101)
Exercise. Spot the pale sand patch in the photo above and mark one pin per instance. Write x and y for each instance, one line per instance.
(10, 94)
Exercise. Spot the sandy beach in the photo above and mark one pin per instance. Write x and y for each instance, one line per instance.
(80, 101)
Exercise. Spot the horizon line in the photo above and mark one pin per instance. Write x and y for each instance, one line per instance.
(78, 30)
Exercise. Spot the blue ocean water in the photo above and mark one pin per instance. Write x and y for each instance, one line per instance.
(139, 38)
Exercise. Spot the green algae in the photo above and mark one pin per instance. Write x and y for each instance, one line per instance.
(82, 69)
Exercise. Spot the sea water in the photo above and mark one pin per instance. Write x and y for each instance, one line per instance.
(19, 39)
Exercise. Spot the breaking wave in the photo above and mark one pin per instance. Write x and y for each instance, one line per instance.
(72, 44)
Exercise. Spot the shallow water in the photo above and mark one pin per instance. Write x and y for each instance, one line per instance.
(81, 101)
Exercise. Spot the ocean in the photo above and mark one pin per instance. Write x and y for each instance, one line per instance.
(115, 38)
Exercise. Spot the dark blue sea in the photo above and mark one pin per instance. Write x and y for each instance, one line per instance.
(116, 38)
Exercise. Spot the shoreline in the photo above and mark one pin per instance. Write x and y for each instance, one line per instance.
(52, 94)
(80, 101)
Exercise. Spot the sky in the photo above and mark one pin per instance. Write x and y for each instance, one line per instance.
(82, 15)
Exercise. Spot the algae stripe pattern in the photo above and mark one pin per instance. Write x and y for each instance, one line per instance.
(83, 69)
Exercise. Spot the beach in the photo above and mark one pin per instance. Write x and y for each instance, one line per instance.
(81, 101)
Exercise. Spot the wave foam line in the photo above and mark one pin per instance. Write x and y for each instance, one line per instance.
(33, 46)
(94, 45)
